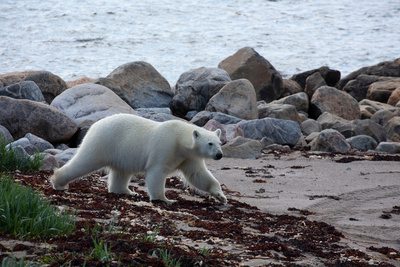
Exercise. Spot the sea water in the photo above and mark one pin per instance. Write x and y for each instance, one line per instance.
(78, 38)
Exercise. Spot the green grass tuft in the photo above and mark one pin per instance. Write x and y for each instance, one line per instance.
(10, 160)
(24, 214)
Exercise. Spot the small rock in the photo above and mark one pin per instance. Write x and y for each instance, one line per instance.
(299, 101)
(5, 134)
(381, 91)
(201, 118)
(361, 127)
(213, 125)
(290, 87)
(241, 147)
(309, 126)
(330, 76)
(362, 142)
(38, 142)
(279, 111)
(283, 132)
(23, 90)
(388, 147)
(25, 144)
(392, 128)
(386, 68)
(49, 163)
(51, 85)
(81, 80)
(313, 82)
(394, 97)
(328, 120)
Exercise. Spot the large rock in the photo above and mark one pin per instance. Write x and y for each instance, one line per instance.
(194, 89)
(248, 64)
(237, 98)
(279, 111)
(392, 128)
(394, 97)
(361, 127)
(381, 91)
(330, 76)
(23, 90)
(387, 69)
(25, 116)
(90, 102)
(299, 101)
(51, 85)
(332, 100)
(358, 87)
(282, 132)
(330, 140)
(139, 84)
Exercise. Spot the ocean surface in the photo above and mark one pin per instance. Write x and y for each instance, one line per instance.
(78, 38)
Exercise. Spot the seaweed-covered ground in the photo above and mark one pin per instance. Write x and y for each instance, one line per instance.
(194, 231)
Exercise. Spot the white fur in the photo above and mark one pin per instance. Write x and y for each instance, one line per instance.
(128, 144)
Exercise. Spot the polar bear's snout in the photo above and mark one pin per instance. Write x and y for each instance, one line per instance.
(218, 156)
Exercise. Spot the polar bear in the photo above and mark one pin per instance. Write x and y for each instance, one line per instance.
(127, 144)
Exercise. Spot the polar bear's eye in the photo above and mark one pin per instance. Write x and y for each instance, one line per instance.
(210, 144)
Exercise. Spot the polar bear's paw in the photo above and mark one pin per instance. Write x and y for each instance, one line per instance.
(56, 185)
(165, 200)
(220, 197)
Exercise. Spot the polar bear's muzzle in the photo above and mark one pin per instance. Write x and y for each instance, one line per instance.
(218, 156)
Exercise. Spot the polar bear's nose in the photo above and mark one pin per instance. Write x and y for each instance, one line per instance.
(218, 156)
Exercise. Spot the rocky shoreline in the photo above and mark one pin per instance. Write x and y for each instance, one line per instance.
(245, 97)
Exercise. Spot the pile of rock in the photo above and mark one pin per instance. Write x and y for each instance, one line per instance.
(245, 97)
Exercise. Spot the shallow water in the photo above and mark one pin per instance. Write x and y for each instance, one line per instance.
(91, 38)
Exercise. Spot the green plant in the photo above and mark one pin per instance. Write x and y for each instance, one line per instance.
(101, 251)
(167, 258)
(23, 213)
(149, 237)
(205, 251)
(12, 261)
(11, 160)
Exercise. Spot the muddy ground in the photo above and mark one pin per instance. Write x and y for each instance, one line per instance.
(296, 209)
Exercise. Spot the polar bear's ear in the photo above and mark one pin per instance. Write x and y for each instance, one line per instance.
(196, 134)
(218, 132)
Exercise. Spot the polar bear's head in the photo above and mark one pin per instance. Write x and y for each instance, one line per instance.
(208, 144)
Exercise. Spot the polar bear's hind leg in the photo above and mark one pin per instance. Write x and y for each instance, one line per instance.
(118, 182)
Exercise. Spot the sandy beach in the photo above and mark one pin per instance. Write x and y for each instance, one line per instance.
(353, 197)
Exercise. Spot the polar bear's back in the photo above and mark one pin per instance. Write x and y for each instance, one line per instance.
(131, 142)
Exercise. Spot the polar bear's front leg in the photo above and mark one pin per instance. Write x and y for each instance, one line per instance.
(155, 180)
(196, 173)
(118, 182)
